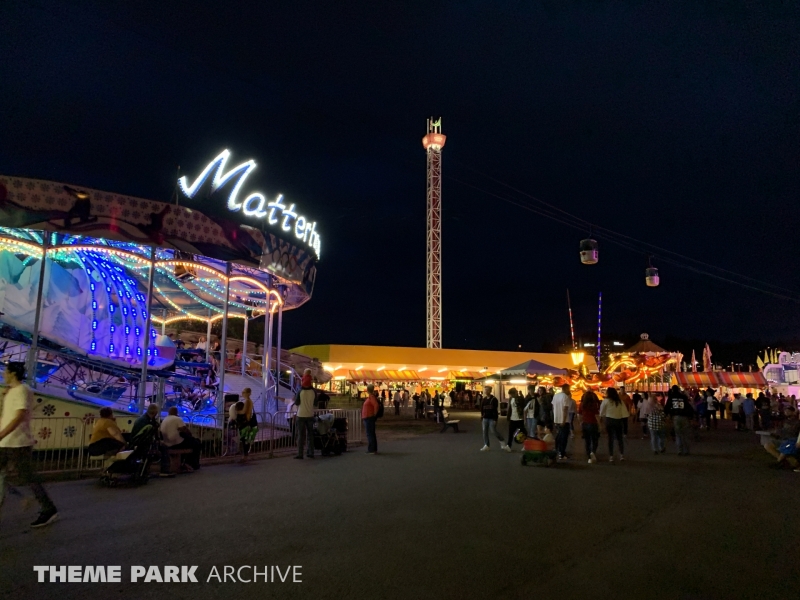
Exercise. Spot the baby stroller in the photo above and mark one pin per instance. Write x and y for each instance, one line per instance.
(132, 465)
(330, 435)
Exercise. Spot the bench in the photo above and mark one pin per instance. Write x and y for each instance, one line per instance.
(446, 423)
(175, 458)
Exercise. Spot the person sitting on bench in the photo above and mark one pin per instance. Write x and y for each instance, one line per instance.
(106, 436)
(176, 436)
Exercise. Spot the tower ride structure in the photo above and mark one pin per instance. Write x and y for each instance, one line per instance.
(433, 142)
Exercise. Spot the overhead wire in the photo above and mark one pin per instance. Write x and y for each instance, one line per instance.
(599, 228)
(612, 237)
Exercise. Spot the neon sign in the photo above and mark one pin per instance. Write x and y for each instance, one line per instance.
(256, 204)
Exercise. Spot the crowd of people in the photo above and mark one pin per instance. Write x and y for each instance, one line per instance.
(550, 416)
(170, 433)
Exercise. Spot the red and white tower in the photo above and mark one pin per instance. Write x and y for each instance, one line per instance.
(433, 143)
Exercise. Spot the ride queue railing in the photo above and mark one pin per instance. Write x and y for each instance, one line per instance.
(62, 442)
(276, 435)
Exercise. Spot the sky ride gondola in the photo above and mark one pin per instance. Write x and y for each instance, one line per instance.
(589, 252)
(651, 277)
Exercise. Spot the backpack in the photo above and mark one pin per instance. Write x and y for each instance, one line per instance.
(379, 414)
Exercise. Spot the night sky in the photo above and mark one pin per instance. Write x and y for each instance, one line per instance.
(673, 123)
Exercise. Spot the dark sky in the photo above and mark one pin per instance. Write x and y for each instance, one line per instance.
(674, 123)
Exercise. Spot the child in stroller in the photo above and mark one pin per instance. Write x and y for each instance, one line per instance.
(330, 434)
(539, 450)
(133, 464)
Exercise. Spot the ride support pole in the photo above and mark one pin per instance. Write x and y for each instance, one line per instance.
(266, 363)
(146, 331)
(278, 351)
(33, 352)
(244, 342)
(223, 350)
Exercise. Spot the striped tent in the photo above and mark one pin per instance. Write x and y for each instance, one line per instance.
(715, 379)
(464, 375)
(384, 375)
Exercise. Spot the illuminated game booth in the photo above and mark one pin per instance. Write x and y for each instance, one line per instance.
(118, 269)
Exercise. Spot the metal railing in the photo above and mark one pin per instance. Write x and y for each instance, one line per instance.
(62, 442)
(277, 434)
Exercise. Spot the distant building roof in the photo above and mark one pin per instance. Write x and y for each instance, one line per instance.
(428, 361)
(645, 345)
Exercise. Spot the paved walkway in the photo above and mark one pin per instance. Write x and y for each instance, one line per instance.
(431, 517)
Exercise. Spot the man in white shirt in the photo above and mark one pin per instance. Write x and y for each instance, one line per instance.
(175, 435)
(737, 402)
(16, 441)
(561, 403)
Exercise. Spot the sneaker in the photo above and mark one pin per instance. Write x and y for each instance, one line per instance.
(45, 518)
(485, 449)
(507, 448)
(610, 459)
(592, 457)
(655, 451)
(621, 458)
(166, 474)
(663, 450)
(591, 461)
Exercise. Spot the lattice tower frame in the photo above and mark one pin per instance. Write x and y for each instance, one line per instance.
(433, 143)
(434, 240)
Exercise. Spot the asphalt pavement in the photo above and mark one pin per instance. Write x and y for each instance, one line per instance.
(432, 517)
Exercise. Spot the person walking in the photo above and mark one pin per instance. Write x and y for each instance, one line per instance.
(736, 405)
(489, 415)
(397, 399)
(546, 408)
(749, 410)
(590, 407)
(764, 411)
(628, 402)
(305, 399)
(679, 408)
(658, 430)
(699, 403)
(645, 407)
(531, 411)
(516, 412)
(711, 408)
(369, 414)
(573, 408)
(561, 404)
(16, 440)
(615, 415)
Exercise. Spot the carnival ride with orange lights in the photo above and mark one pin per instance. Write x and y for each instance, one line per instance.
(624, 369)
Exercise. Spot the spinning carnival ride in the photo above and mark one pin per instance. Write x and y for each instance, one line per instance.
(115, 271)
